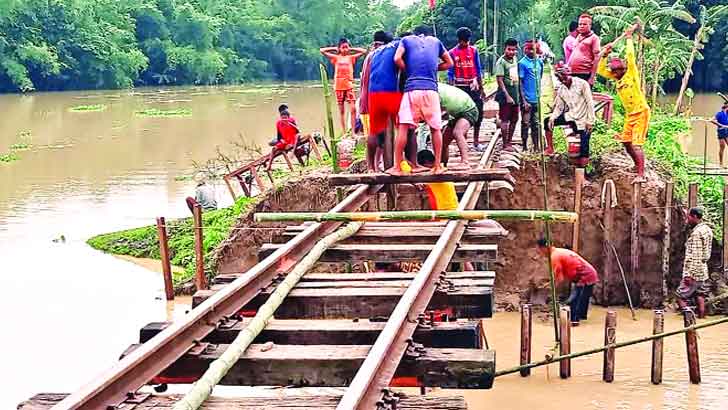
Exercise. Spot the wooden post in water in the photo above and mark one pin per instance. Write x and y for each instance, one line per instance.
(693, 195)
(610, 337)
(669, 188)
(691, 344)
(658, 326)
(725, 231)
(526, 327)
(565, 345)
(608, 216)
(636, 208)
(200, 279)
(164, 255)
(578, 184)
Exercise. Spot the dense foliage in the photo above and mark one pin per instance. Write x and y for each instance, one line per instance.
(74, 44)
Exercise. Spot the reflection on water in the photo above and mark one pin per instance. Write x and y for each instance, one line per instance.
(72, 308)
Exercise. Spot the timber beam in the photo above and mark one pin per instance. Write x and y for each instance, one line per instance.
(371, 276)
(45, 401)
(458, 334)
(335, 366)
(393, 252)
(382, 178)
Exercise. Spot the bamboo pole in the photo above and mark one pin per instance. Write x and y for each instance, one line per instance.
(615, 346)
(330, 119)
(669, 189)
(578, 184)
(658, 327)
(527, 215)
(691, 345)
(164, 255)
(526, 337)
(610, 337)
(608, 216)
(565, 342)
(218, 369)
(200, 279)
(635, 244)
(692, 195)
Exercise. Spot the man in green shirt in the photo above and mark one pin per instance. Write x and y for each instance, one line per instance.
(508, 95)
(463, 113)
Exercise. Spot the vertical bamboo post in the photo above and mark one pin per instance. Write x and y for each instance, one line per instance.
(669, 188)
(526, 333)
(658, 326)
(565, 345)
(636, 207)
(200, 279)
(578, 184)
(230, 188)
(725, 231)
(691, 344)
(610, 337)
(330, 119)
(693, 195)
(164, 255)
(608, 216)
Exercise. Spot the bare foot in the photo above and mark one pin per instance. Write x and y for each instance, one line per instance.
(438, 169)
(396, 171)
(419, 170)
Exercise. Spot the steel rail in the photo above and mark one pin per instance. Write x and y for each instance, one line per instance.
(112, 387)
(375, 374)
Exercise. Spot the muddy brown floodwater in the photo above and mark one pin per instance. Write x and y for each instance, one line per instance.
(705, 105)
(67, 311)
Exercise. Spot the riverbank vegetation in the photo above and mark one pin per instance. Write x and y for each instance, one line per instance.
(155, 112)
(88, 108)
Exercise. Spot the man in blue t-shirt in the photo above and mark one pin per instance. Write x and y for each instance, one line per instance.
(384, 98)
(530, 71)
(420, 56)
(721, 121)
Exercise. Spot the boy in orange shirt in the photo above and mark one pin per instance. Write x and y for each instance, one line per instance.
(343, 59)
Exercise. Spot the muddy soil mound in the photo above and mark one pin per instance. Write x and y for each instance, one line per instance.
(520, 268)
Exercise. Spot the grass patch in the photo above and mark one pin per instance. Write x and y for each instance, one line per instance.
(88, 108)
(6, 157)
(157, 113)
(144, 243)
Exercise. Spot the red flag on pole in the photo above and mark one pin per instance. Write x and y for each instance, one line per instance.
(432, 4)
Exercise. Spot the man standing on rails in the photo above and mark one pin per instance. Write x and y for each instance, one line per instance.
(380, 38)
(585, 55)
(637, 113)
(530, 71)
(570, 266)
(695, 267)
(508, 95)
(466, 74)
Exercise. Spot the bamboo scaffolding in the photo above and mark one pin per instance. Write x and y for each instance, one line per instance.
(219, 368)
(611, 346)
(522, 215)
(329, 119)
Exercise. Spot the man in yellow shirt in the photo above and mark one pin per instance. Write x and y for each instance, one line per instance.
(637, 112)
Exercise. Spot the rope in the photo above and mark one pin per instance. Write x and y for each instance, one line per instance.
(604, 193)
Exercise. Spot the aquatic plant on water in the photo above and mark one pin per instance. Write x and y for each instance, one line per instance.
(88, 108)
(157, 113)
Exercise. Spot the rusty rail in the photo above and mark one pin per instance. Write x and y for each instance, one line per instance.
(369, 385)
(123, 379)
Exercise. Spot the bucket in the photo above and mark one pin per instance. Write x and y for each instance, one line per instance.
(574, 146)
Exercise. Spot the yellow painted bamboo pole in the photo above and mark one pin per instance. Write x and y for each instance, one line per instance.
(219, 368)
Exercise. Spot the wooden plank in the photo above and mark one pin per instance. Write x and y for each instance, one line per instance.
(394, 252)
(608, 254)
(382, 178)
(374, 276)
(459, 334)
(388, 283)
(578, 184)
(335, 366)
(693, 195)
(667, 232)
(200, 278)
(635, 245)
(408, 234)
(278, 401)
(349, 303)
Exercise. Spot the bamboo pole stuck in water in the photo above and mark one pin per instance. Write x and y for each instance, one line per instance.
(614, 346)
(669, 189)
(526, 337)
(219, 368)
(200, 278)
(658, 327)
(526, 215)
(578, 184)
(691, 345)
(610, 337)
(565, 343)
(164, 256)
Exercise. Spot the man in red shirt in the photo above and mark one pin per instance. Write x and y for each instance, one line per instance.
(585, 56)
(569, 266)
(287, 133)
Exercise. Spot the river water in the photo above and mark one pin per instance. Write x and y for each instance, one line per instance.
(95, 172)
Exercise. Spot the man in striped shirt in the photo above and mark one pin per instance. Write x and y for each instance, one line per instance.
(695, 268)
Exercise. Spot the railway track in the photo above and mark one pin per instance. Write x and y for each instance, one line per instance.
(363, 332)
